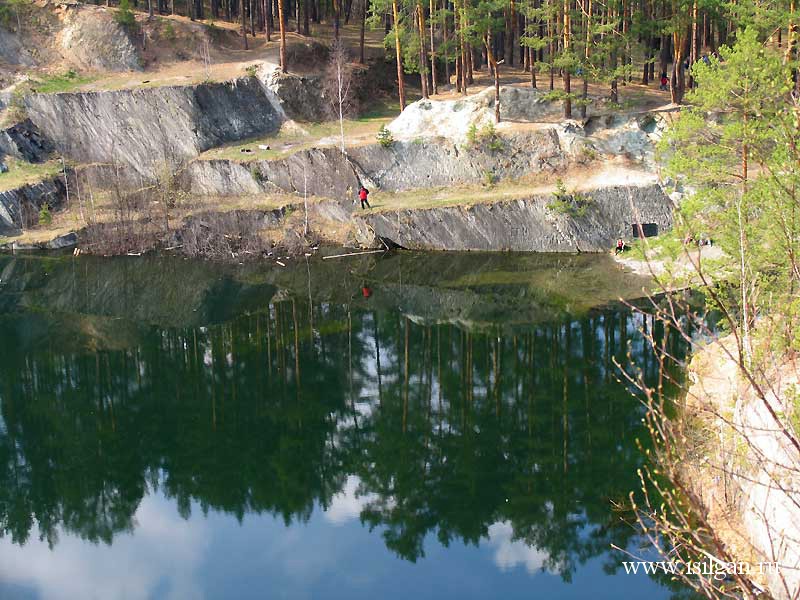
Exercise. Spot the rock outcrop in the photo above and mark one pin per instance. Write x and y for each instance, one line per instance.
(12, 51)
(146, 130)
(93, 39)
(530, 225)
(20, 207)
(300, 97)
(324, 171)
(25, 142)
(745, 471)
(452, 119)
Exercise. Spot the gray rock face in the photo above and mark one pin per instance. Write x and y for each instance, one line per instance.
(94, 40)
(12, 51)
(146, 130)
(403, 166)
(24, 141)
(301, 98)
(437, 162)
(522, 225)
(20, 207)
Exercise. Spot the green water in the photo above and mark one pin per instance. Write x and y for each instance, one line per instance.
(179, 429)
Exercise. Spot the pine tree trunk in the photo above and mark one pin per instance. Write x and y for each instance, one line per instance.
(362, 32)
(399, 55)
(587, 53)
(282, 26)
(444, 43)
(244, 24)
(336, 15)
(434, 83)
(496, 70)
(566, 74)
(423, 59)
(268, 24)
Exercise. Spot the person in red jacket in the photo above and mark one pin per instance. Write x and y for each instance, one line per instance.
(362, 195)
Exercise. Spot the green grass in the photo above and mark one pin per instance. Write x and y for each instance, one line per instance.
(21, 173)
(65, 82)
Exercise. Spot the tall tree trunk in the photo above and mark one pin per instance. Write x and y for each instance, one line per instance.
(587, 53)
(614, 63)
(444, 42)
(244, 25)
(268, 24)
(693, 47)
(282, 27)
(423, 59)
(463, 45)
(551, 49)
(678, 83)
(566, 74)
(434, 83)
(362, 31)
(399, 55)
(336, 15)
(306, 28)
(493, 63)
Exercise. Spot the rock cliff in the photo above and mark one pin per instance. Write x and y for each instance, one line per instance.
(530, 225)
(146, 130)
(20, 207)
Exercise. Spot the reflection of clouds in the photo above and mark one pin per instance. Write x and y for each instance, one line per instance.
(348, 503)
(509, 553)
(162, 557)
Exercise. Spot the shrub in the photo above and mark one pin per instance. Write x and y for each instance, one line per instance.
(569, 204)
(45, 217)
(472, 135)
(125, 16)
(169, 32)
(485, 138)
(251, 70)
(257, 174)
(384, 137)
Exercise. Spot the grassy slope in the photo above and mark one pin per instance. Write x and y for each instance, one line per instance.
(21, 173)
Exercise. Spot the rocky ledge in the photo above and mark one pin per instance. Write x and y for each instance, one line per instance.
(589, 223)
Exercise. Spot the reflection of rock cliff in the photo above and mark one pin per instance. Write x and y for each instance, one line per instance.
(473, 290)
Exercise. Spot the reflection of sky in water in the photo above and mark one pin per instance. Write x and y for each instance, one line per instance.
(331, 556)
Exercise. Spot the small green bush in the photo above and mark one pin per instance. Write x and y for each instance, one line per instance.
(472, 135)
(169, 32)
(572, 204)
(251, 70)
(384, 137)
(125, 16)
(485, 138)
(256, 173)
(45, 217)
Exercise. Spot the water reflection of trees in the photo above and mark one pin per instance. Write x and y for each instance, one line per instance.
(450, 431)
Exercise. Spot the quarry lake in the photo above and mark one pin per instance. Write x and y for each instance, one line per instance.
(415, 425)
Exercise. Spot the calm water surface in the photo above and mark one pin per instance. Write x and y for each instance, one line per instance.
(426, 426)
